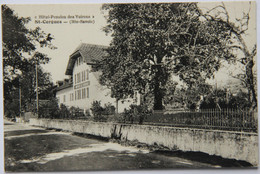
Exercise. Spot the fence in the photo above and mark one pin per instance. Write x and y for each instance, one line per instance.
(72, 113)
(225, 119)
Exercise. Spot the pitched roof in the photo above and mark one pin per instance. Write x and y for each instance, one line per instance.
(64, 86)
(89, 52)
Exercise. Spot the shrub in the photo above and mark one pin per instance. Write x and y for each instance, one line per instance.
(49, 109)
(137, 113)
(11, 108)
(76, 112)
(109, 109)
(97, 111)
(64, 111)
(87, 112)
(102, 113)
(96, 108)
(119, 118)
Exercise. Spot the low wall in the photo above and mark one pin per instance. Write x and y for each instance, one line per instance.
(227, 144)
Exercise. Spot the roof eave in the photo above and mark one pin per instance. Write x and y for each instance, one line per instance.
(73, 57)
(69, 85)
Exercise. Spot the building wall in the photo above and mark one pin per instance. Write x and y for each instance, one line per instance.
(86, 80)
(64, 93)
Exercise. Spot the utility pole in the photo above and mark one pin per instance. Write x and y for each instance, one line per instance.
(20, 98)
(37, 96)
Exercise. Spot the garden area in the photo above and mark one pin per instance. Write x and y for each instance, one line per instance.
(224, 119)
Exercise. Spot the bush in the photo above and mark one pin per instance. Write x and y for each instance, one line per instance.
(97, 111)
(118, 118)
(76, 112)
(109, 109)
(96, 108)
(240, 100)
(101, 113)
(87, 112)
(49, 109)
(137, 113)
(64, 111)
(11, 108)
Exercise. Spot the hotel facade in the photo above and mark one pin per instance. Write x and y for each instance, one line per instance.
(82, 87)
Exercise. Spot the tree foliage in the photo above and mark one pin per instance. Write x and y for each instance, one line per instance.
(237, 45)
(20, 56)
(152, 41)
(19, 43)
(221, 98)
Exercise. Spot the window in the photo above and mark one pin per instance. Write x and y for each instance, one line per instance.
(64, 98)
(75, 95)
(87, 92)
(71, 97)
(80, 60)
(75, 78)
(83, 93)
(79, 94)
(58, 98)
(87, 74)
(78, 78)
(82, 77)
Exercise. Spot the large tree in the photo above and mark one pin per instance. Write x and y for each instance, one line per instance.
(237, 44)
(20, 51)
(153, 41)
(19, 43)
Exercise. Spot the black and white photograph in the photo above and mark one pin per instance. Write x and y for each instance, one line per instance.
(129, 86)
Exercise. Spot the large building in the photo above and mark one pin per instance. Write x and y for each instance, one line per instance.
(83, 87)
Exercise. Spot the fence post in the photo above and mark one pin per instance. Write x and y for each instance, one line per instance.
(229, 118)
(232, 119)
(210, 116)
(243, 116)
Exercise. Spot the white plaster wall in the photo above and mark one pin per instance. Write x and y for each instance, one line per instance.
(228, 144)
(63, 92)
(97, 92)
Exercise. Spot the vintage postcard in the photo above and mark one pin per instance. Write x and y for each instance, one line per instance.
(129, 86)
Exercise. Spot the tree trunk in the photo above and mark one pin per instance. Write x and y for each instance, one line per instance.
(250, 81)
(157, 90)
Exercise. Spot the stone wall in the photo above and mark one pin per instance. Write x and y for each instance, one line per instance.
(227, 144)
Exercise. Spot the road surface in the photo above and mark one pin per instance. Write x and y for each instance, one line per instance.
(36, 149)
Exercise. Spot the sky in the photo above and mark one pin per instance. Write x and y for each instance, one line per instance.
(66, 36)
(69, 36)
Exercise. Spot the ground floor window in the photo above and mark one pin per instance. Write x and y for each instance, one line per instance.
(83, 93)
(71, 97)
(79, 94)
